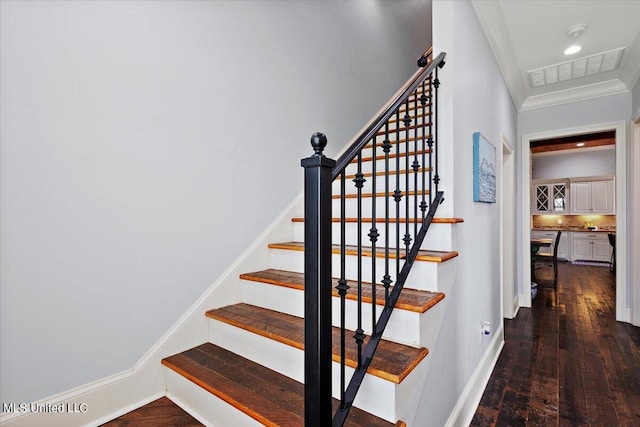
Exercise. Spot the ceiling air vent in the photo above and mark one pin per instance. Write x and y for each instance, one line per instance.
(590, 65)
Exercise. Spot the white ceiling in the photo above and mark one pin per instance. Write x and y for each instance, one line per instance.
(527, 35)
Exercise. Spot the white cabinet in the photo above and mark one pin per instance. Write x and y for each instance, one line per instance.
(563, 247)
(590, 247)
(593, 197)
(549, 197)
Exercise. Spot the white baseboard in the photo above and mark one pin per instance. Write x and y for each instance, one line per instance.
(118, 394)
(92, 404)
(465, 408)
(516, 306)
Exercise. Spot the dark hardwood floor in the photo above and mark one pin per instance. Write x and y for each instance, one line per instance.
(566, 361)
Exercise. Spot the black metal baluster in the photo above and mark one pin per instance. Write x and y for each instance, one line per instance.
(407, 123)
(423, 101)
(386, 147)
(342, 286)
(436, 85)
(430, 140)
(359, 181)
(415, 164)
(373, 237)
(397, 194)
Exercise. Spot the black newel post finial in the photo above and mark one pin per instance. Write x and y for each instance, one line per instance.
(318, 142)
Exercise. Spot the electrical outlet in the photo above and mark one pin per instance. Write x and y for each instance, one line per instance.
(559, 221)
(485, 329)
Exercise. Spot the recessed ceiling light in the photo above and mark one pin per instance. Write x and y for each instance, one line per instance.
(572, 49)
(580, 144)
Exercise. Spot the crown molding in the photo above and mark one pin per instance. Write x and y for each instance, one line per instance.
(494, 27)
(630, 69)
(581, 93)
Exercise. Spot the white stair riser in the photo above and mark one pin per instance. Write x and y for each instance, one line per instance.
(424, 275)
(350, 187)
(368, 152)
(415, 121)
(203, 405)
(351, 207)
(367, 166)
(438, 236)
(403, 326)
(376, 395)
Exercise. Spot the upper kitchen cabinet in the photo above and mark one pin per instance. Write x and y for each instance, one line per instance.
(595, 195)
(550, 196)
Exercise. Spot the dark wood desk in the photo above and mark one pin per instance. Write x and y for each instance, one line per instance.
(536, 244)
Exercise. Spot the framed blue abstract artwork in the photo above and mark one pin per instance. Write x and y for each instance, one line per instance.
(484, 169)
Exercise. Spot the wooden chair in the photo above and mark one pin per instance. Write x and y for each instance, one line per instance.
(612, 262)
(552, 257)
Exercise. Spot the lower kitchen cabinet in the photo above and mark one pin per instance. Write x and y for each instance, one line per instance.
(590, 247)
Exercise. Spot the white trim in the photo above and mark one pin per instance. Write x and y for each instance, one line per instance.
(524, 284)
(516, 306)
(573, 150)
(580, 93)
(467, 404)
(634, 247)
(504, 311)
(493, 25)
(621, 209)
(124, 410)
(506, 292)
(105, 400)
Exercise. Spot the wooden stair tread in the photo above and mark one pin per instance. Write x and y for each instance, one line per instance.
(410, 299)
(160, 412)
(423, 255)
(265, 395)
(391, 220)
(392, 361)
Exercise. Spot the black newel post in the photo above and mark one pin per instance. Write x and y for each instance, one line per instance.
(317, 284)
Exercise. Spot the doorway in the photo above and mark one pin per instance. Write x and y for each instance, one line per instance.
(622, 312)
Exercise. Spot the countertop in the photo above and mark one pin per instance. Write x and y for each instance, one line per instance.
(573, 228)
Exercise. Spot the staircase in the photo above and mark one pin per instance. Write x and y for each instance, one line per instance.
(251, 370)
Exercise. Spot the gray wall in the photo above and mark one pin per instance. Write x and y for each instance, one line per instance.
(592, 111)
(574, 164)
(146, 144)
(474, 98)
